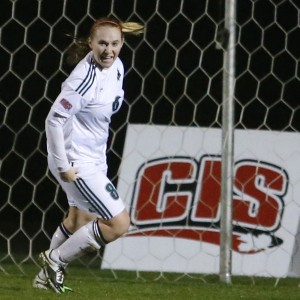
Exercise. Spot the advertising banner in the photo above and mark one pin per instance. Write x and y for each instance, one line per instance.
(170, 180)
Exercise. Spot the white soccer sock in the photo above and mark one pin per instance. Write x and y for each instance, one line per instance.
(60, 236)
(86, 239)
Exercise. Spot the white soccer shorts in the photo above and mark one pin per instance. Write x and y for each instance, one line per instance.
(92, 191)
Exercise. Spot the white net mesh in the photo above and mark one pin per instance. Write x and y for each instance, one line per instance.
(173, 78)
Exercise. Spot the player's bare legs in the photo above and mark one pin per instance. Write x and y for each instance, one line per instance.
(115, 227)
(76, 218)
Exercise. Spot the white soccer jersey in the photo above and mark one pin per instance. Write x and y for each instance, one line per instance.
(89, 97)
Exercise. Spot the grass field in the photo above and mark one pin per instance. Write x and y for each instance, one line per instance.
(100, 285)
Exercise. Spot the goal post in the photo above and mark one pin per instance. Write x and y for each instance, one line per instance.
(229, 42)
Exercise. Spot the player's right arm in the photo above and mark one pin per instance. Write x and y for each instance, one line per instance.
(56, 146)
(67, 104)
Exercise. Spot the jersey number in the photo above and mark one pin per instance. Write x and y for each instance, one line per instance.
(112, 191)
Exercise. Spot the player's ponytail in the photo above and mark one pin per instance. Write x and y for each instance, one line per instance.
(132, 28)
(79, 49)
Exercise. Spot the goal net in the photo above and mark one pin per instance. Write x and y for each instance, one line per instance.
(165, 143)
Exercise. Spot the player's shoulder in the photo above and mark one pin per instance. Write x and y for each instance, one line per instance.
(84, 66)
(82, 78)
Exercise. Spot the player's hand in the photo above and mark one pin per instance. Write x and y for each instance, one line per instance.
(70, 175)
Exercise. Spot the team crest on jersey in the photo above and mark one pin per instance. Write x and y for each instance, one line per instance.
(66, 104)
(118, 75)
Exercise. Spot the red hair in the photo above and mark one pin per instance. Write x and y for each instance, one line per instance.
(106, 22)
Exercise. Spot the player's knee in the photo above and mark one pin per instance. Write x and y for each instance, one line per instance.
(124, 224)
(119, 225)
(70, 223)
(77, 218)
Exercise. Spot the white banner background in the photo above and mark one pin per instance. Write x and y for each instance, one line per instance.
(155, 253)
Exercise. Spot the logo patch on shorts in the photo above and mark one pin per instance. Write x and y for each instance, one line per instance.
(66, 104)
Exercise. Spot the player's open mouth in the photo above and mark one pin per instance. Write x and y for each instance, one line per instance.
(106, 58)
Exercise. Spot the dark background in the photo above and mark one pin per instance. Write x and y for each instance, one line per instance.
(173, 77)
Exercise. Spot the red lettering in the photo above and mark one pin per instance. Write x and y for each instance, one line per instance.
(154, 203)
(207, 200)
(159, 197)
(259, 188)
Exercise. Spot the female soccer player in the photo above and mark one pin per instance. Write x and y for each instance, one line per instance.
(77, 129)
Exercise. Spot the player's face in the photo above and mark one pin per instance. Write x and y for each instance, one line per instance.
(106, 43)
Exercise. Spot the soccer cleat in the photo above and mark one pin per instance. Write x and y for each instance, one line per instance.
(66, 289)
(53, 271)
(40, 283)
